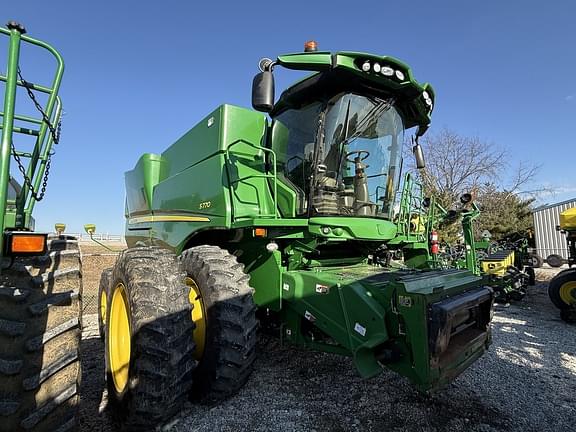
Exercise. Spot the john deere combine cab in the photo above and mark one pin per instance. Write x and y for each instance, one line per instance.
(289, 221)
(562, 288)
(40, 280)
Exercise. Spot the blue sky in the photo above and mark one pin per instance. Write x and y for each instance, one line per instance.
(139, 74)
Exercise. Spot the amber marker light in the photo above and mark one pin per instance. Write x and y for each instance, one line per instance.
(260, 232)
(310, 46)
(27, 243)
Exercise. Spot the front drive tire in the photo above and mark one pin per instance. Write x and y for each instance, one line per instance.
(562, 289)
(226, 348)
(149, 339)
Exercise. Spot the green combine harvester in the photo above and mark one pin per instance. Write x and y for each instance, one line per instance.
(40, 277)
(562, 288)
(289, 222)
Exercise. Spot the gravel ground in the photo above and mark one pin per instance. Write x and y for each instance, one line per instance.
(526, 382)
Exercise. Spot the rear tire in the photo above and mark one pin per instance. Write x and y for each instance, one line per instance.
(159, 342)
(535, 261)
(103, 293)
(561, 288)
(230, 337)
(555, 261)
(40, 333)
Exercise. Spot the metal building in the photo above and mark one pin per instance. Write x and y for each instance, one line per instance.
(548, 240)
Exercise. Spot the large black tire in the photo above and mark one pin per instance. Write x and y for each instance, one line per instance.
(555, 285)
(40, 333)
(161, 327)
(103, 292)
(555, 260)
(230, 339)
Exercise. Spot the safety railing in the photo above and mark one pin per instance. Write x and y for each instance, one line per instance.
(44, 129)
(411, 208)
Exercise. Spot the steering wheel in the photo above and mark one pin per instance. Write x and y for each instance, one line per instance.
(360, 153)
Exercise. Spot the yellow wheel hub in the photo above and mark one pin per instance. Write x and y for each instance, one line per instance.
(119, 338)
(568, 292)
(198, 316)
(103, 303)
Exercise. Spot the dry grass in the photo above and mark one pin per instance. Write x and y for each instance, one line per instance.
(95, 259)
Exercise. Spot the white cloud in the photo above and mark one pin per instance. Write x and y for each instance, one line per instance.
(554, 193)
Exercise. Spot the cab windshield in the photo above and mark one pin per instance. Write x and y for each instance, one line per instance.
(343, 157)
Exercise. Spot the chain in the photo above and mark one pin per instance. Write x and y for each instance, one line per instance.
(54, 132)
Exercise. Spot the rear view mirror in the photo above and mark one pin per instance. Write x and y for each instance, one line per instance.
(263, 91)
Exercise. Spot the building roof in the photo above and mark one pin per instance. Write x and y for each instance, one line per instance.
(547, 206)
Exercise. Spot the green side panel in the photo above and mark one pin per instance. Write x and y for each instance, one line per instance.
(218, 168)
(343, 309)
(352, 228)
(169, 235)
(200, 190)
(148, 172)
(286, 199)
(265, 271)
(199, 143)
(251, 185)
(416, 255)
(216, 171)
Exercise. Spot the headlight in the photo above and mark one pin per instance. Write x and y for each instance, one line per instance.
(366, 66)
(400, 75)
(387, 71)
(427, 98)
(376, 67)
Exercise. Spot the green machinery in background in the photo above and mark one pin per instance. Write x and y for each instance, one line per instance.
(507, 273)
(562, 288)
(40, 280)
(289, 221)
(505, 265)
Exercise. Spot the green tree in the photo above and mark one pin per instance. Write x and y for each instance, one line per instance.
(503, 213)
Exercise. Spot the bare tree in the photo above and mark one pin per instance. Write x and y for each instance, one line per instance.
(457, 164)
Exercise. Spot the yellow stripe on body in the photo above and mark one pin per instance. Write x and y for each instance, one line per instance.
(167, 218)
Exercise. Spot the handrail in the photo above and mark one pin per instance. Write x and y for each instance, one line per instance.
(32, 86)
(43, 143)
(273, 175)
(409, 204)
